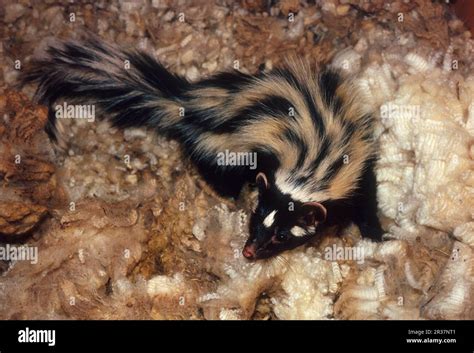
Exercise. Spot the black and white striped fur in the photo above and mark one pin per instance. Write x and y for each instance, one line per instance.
(312, 137)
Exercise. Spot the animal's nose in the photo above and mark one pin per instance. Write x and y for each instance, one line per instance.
(249, 251)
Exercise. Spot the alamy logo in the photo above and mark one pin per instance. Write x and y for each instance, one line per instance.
(75, 111)
(397, 111)
(37, 336)
(19, 253)
(344, 253)
(237, 159)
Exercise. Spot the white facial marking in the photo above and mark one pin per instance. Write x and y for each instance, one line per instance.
(268, 221)
(297, 231)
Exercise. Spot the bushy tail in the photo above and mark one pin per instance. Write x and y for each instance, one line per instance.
(131, 87)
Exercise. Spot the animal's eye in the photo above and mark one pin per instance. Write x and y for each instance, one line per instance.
(281, 237)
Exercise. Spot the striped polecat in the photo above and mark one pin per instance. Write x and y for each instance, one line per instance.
(310, 134)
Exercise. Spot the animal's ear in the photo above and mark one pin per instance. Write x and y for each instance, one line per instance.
(312, 214)
(262, 181)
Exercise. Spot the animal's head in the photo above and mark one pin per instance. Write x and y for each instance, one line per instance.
(279, 223)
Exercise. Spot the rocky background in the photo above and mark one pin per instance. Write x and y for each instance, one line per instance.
(126, 229)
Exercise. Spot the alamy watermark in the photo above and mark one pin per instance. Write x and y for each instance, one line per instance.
(344, 253)
(19, 253)
(37, 336)
(75, 111)
(229, 158)
(400, 111)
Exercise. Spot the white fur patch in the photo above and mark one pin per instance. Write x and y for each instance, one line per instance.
(297, 231)
(268, 221)
(297, 193)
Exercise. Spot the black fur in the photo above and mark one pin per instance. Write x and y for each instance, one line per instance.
(360, 209)
(271, 106)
